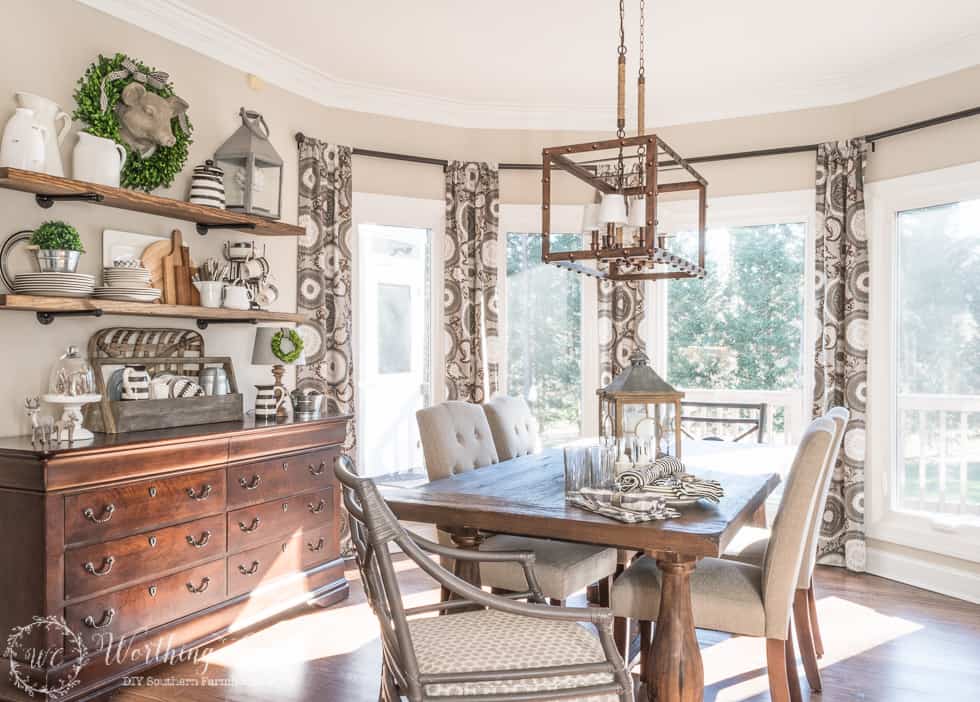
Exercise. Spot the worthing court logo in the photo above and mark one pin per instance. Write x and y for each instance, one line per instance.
(25, 656)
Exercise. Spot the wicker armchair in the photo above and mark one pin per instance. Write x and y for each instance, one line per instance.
(487, 648)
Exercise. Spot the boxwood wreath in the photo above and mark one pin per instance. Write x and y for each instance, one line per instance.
(161, 167)
(292, 337)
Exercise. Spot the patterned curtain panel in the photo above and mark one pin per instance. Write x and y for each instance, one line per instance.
(323, 283)
(471, 319)
(841, 360)
(621, 311)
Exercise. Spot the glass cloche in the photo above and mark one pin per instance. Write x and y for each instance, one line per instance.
(72, 375)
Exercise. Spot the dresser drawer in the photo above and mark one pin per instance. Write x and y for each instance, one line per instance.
(147, 605)
(98, 567)
(261, 565)
(251, 483)
(119, 511)
(251, 526)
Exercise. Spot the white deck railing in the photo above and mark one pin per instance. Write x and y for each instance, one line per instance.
(939, 453)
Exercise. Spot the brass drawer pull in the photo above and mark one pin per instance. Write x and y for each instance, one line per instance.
(318, 471)
(202, 495)
(318, 547)
(200, 543)
(317, 508)
(250, 485)
(249, 527)
(103, 570)
(106, 515)
(200, 588)
(249, 571)
(106, 620)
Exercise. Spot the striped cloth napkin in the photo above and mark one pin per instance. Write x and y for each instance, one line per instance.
(623, 507)
(638, 476)
(678, 487)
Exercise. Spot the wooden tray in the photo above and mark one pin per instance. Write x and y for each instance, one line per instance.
(178, 351)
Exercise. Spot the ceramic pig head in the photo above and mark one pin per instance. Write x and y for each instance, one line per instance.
(146, 119)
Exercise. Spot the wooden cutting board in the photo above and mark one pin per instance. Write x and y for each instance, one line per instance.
(171, 261)
(152, 260)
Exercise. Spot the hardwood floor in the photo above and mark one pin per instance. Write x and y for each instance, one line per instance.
(884, 641)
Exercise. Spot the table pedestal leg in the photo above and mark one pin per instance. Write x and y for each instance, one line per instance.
(675, 672)
(469, 571)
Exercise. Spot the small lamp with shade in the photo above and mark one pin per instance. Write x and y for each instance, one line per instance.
(278, 347)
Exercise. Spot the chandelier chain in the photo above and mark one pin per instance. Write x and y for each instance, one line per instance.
(622, 27)
(643, 5)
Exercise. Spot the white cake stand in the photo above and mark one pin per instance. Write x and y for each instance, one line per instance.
(72, 414)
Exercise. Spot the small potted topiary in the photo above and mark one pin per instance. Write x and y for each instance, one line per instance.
(58, 247)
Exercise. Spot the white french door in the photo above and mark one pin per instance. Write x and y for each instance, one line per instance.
(397, 296)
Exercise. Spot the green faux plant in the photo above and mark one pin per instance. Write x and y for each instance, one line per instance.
(57, 236)
(155, 171)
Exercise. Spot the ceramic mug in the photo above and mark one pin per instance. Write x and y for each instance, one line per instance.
(135, 383)
(210, 292)
(268, 400)
(237, 297)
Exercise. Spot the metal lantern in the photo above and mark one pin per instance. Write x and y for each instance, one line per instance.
(253, 169)
(638, 403)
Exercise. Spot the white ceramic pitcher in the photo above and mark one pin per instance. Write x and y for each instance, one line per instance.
(97, 160)
(22, 145)
(46, 114)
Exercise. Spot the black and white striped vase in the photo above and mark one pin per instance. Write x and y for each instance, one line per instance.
(207, 186)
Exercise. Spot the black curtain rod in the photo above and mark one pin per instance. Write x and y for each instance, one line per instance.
(779, 151)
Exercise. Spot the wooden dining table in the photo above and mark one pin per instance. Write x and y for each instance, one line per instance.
(525, 496)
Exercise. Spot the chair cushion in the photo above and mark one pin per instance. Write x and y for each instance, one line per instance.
(561, 567)
(492, 640)
(749, 546)
(514, 428)
(725, 595)
(455, 438)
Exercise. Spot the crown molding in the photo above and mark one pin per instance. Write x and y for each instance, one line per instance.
(188, 27)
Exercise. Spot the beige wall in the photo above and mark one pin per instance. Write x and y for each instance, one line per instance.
(49, 44)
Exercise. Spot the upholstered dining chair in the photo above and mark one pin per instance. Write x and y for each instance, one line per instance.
(744, 599)
(456, 438)
(487, 647)
(750, 545)
(513, 426)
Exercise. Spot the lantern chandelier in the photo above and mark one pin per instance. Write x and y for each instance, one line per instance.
(621, 229)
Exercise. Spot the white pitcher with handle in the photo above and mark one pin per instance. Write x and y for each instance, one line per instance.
(46, 114)
(97, 160)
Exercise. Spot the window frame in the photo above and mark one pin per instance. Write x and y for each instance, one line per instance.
(755, 209)
(943, 534)
(526, 219)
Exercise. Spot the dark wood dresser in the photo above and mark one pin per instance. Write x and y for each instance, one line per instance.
(166, 540)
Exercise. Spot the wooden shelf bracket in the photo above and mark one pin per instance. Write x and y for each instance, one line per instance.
(46, 201)
(47, 316)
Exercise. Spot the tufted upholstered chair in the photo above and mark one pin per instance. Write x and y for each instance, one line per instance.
(745, 599)
(514, 428)
(474, 653)
(457, 438)
(751, 543)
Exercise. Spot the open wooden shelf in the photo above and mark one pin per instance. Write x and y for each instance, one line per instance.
(47, 308)
(47, 189)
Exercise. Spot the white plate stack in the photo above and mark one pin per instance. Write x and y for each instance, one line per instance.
(54, 284)
(127, 284)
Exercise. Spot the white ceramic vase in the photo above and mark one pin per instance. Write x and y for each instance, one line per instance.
(22, 145)
(46, 115)
(98, 160)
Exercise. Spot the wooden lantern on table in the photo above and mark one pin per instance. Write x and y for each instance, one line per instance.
(638, 393)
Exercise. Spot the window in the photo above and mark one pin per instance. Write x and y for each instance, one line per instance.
(923, 472)
(738, 336)
(397, 335)
(544, 335)
(938, 389)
